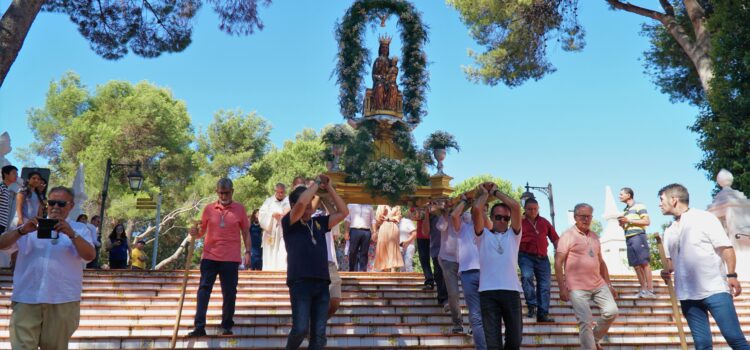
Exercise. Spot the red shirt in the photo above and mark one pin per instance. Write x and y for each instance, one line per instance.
(534, 239)
(223, 242)
(421, 235)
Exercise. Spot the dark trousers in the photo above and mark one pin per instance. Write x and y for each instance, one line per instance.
(117, 264)
(423, 248)
(228, 275)
(359, 244)
(309, 298)
(535, 267)
(256, 251)
(500, 306)
(442, 291)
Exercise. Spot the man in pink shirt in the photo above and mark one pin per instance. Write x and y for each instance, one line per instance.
(585, 278)
(224, 223)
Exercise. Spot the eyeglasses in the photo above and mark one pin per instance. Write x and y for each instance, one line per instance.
(585, 216)
(61, 204)
(224, 192)
(502, 217)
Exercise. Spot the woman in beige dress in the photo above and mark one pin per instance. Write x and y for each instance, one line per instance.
(387, 252)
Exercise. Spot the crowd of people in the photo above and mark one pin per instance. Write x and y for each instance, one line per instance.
(473, 244)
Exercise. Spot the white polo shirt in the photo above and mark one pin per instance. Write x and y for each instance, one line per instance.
(692, 243)
(468, 252)
(498, 260)
(360, 216)
(48, 273)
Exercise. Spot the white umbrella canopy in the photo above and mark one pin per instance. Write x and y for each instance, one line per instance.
(79, 189)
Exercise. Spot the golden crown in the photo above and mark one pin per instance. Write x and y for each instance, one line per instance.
(385, 39)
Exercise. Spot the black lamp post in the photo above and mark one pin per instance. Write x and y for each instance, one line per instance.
(547, 191)
(135, 180)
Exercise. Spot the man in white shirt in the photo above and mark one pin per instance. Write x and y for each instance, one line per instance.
(407, 236)
(703, 261)
(468, 268)
(357, 230)
(269, 217)
(46, 296)
(499, 287)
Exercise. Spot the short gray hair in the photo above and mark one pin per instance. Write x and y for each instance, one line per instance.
(225, 183)
(280, 185)
(63, 189)
(580, 206)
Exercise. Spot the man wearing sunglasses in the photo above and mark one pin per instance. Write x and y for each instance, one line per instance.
(499, 288)
(582, 277)
(223, 223)
(48, 279)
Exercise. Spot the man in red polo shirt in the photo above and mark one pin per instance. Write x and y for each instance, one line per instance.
(224, 223)
(533, 261)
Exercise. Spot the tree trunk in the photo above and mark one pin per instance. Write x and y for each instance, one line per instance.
(14, 26)
(172, 258)
(697, 49)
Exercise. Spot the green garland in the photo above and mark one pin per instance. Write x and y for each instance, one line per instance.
(353, 57)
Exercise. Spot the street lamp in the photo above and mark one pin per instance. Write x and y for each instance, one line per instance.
(547, 191)
(135, 180)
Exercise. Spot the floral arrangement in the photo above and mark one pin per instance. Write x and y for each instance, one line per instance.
(338, 134)
(441, 140)
(353, 57)
(390, 178)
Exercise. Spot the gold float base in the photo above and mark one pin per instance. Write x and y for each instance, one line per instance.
(356, 193)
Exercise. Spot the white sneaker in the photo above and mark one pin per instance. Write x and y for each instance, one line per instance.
(648, 294)
(638, 295)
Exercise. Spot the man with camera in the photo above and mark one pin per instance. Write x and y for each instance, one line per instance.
(48, 279)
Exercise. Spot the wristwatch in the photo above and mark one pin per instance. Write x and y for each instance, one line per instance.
(75, 235)
(732, 275)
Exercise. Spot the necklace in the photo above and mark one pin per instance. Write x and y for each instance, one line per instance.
(498, 241)
(312, 236)
(588, 243)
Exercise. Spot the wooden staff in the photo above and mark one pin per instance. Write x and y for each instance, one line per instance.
(188, 258)
(673, 298)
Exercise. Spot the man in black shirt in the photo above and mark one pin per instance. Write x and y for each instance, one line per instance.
(307, 262)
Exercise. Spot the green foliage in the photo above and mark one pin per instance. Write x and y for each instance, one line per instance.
(596, 227)
(516, 34)
(441, 139)
(149, 28)
(300, 157)
(724, 128)
(474, 181)
(668, 65)
(353, 57)
(234, 141)
(122, 121)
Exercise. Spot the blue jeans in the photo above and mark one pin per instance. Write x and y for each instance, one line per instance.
(359, 244)
(309, 299)
(722, 309)
(470, 284)
(535, 267)
(228, 275)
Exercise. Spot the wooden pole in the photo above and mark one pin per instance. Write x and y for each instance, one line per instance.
(672, 296)
(188, 258)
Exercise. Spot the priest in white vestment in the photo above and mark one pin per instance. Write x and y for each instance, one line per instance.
(269, 215)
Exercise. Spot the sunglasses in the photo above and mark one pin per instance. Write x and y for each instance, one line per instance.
(61, 204)
(502, 218)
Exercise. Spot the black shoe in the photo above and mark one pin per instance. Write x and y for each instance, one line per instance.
(198, 332)
(226, 331)
(544, 318)
(428, 286)
(532, 311)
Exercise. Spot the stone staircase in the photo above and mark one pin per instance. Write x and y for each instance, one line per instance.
(136, 310)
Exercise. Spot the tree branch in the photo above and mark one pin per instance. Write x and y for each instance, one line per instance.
(174, 255)
(668, 9)
(625, 6)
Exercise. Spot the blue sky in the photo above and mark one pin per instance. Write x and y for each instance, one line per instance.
(597, 121)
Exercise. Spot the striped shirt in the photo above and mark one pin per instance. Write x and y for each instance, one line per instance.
(4, 205)
(635, 212)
